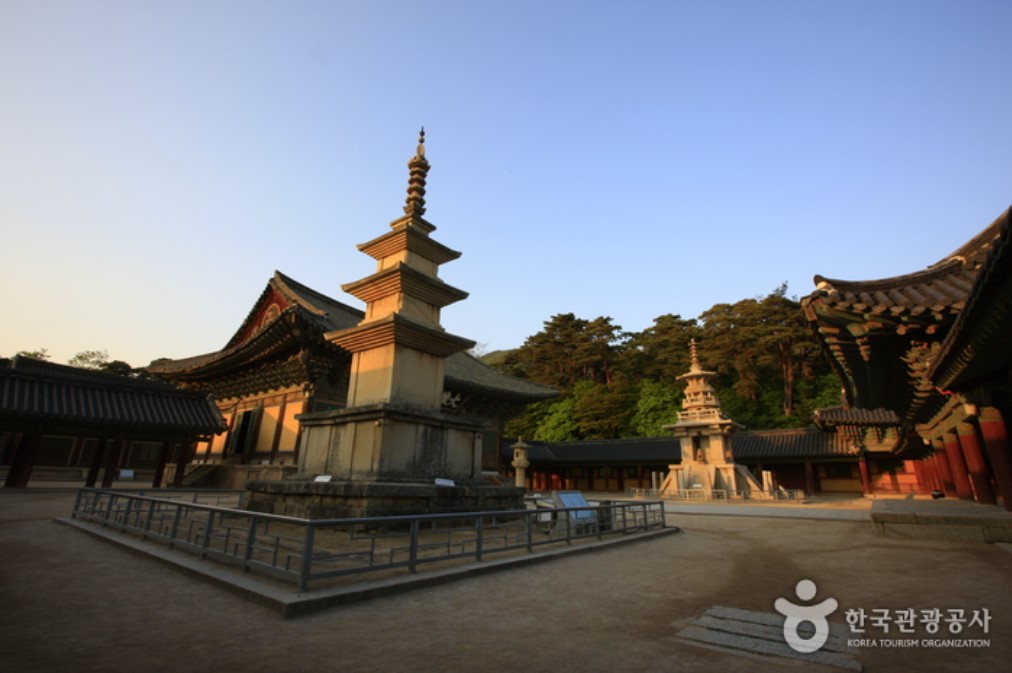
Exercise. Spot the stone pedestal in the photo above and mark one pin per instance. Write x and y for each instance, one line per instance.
(348, 499)
(384, 442)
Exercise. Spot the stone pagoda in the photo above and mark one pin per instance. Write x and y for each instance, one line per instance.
(392, 450)
(704, 433)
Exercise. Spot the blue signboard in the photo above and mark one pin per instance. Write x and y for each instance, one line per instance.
(576, 499)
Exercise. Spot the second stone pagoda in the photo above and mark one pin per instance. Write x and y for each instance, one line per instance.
(392, 429)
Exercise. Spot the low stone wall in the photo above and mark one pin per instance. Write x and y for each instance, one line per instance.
(955, 521)
(338, 500)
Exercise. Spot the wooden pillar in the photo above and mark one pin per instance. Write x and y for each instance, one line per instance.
(76, 450)
(995, 436)
(809, 477)
(306, 407)
(980, 477)
(96, 462)
(20, 470)
(112, 463)
(186, 451)
(932, 480)
(944, 468)
(960, 475)
(163, 460)
(866, 485)
(278, 428)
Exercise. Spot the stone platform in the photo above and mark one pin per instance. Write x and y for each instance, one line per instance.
(953, 520)
(355, 499)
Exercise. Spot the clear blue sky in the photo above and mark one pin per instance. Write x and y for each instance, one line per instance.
(160, 159)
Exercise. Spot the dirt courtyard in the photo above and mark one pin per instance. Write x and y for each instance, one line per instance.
(71, 602)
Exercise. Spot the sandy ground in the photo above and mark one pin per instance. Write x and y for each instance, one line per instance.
(69, 602)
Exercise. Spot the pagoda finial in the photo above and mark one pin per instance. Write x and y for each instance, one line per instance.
(694, 356)
(419, 168)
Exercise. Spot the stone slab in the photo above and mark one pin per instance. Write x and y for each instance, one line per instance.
(757, 633)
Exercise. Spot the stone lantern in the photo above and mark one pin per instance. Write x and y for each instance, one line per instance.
(520, 463)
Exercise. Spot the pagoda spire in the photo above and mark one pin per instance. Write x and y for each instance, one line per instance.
(418, 166)
(700, 398)
(694, 356)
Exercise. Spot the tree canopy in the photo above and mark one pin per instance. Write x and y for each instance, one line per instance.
(613, 384)
(91, 359)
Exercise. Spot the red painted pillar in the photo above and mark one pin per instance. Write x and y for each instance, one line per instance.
(866, 485)
(933, 479)
(944, 469)
(20, 470)
(995, 436)
(934, 474)
(960, 475)
(980, 477)
(809, 477)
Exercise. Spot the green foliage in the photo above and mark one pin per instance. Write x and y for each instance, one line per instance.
(40, 354)
(569, 350)
(656, 406)
(771, 372)
(89, 359)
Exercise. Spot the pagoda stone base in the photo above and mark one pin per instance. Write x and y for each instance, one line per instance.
(355, 499)
(390, 443)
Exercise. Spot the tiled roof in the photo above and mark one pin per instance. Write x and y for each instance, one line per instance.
(792, 443)
(941, 287)
(464, 372)
(33, 391)
(876, 332)
(833, 416)
(977, 344)
(661, 450)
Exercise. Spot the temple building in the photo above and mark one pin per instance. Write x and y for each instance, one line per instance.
(300, 353)
(925, 363)
(62, 423)
(925, 366)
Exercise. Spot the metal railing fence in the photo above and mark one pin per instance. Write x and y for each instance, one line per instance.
(305, 551)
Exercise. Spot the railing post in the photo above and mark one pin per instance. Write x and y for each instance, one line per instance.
(529, 518)
(175, 525)
(307, 557)
(208, 530)
(413, 551)
(251, 535)
(569, 535)
(108, 510)
(126, 514)
(147, 522)
(77, 502)
(479, 526)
